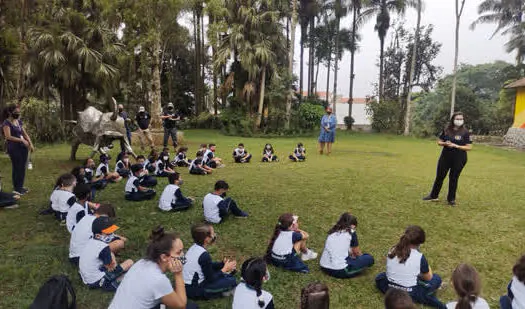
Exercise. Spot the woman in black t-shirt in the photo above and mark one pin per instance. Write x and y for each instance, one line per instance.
(455, 140)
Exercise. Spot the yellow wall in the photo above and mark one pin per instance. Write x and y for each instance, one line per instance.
(519, 113)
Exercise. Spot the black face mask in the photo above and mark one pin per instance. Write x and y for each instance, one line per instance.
(16, 115)
(223, 195)
(214, 238)
(170, 108)
(120, 110)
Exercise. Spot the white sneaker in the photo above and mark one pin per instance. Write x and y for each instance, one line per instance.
(309, 255)
(12, 206)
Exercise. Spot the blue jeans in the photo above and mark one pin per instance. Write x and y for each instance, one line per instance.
(211, 290)
(18, 155)
(140, 195)
(422, 293)
(354, 268)
(170, 132)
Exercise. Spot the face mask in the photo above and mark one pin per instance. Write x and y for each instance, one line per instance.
(267, 276)
(170, 108)
(16, 115)
(165, 158)
(223, 195)
(142, 113)
(142, 174)
(120, 110)
(268, 147)
(106, 238)
(212, 150)
(458, 123)
(352, 231)
(213, 239)
(182, 259)
(181, 182)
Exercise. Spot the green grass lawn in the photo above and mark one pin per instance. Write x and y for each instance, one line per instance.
(379, 178)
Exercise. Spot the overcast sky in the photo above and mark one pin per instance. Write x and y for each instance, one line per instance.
(475, 46)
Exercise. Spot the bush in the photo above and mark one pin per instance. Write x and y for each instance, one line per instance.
(310, 115)
(42, 121)
(349, 121)
(385, 116)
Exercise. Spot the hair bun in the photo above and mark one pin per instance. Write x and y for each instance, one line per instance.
(157, 233)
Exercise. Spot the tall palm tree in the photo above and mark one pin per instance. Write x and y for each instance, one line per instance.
(356, 6)
(307, 13)
(459, 12)
(290, 63)
(382, 9)
(340, 11)
(508, 17)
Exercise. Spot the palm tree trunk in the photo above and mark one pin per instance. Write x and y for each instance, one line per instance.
(381, 68)
(328, 78)
(290, 63)
(412, 71)
(459, 12)
(336, 68)
(197, 66)
(203, 73)
(155, 94)
(318, 64)
(311, 51)
(301, 65)
(261, 98)
(352, 65)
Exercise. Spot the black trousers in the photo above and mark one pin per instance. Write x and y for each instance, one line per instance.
(18, 155)
(449, 162)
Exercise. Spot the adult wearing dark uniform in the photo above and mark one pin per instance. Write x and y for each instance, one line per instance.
(455, 140)
(170, 118)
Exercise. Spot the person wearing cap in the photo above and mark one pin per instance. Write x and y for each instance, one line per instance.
(143, 119)
(170, 118)
(134, 191)
(327, 136)
(122, 113)
(97, 264)
(103, 170)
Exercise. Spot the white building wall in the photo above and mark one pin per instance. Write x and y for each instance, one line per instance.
(358, 113)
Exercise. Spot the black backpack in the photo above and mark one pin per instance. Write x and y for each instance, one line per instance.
(54, 294)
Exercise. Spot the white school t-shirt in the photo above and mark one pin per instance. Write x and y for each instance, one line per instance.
(71, 218)
(61, 200)
(211, 210)
(192, 265)
(142, 288)
(336, 250)
(480, 303)
(246, 298)
(518, 290)
(131, 185)
(99, 171)
(283, 244)
(168, 197)
(90, 264)
(406, 274)
(82, 233)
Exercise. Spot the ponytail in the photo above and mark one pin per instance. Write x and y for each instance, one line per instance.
(160, 243)
(285, 221)
(413, 236)
(253, 272)
(467, 285)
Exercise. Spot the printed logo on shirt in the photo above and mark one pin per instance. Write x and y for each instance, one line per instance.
(458, 137)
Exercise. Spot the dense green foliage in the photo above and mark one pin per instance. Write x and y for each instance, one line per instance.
(366, 174)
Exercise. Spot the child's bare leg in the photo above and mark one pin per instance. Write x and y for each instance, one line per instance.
(116, 245)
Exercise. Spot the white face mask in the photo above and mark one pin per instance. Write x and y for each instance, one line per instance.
(165, 158)
(458, 123)
(268, 147)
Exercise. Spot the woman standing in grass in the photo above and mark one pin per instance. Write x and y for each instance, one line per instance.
(327, 136)
(455, 140)
(18, 146)
(407, 269)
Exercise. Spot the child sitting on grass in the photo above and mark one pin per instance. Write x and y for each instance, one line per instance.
(205, 279)
(249, 293)
(217, 206)
(197, 167)
(287, 242)
(82, 207)
(103, 170)
(172, 198)
(210, 159)
(342, 257)
(134, 191)
(467, 285)
(97, 264)
(181, 159)
(123, 167)
(515, 297)
(269, 154)
(62, 197)
(97, 182)
(163, 165)
(299, 153)
(240, 155)
(145, 179)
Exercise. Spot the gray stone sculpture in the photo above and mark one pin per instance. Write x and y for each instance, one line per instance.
(99, 130)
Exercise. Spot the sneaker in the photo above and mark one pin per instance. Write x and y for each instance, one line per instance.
(25, 190)
(452, 203)
(12, 206)
(19, 192)
(309, 255)
(243, 215)
(430, 199)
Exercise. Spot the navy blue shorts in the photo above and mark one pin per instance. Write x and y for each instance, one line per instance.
(109, 282)
(291, 262)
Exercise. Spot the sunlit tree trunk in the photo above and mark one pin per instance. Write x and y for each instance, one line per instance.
(290, 63)
(412, 70)
(459, 12)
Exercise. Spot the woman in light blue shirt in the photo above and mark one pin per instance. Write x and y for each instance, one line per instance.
(327, 136)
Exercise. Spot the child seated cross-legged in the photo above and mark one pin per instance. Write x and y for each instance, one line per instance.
(467, 285)
(515, 298)
(240, 155)
(197, 167)
(205, 279)
(210, 159)
(82, 207)
(97, 182)
(134, 191)
(163, 165)
(62, 197)
(407, 269)
(287, 242)
(181, 159)
(103, 170)
(145, 179)
(269, 154)
(172, 198)
(97, 264)
(217, 206)
(82, 233)
(342, 257)
(123, 167)
(249, 294)
(299, 153)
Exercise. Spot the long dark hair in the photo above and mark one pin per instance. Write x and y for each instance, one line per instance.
(344, 223)
(253, 271)
(271, 148)
(315, 296)
(413, 236)
(519, 269)
(451, 127)
(398, 299)
(8, 111)
(285, 221)
(160, 243)
(467, 285)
